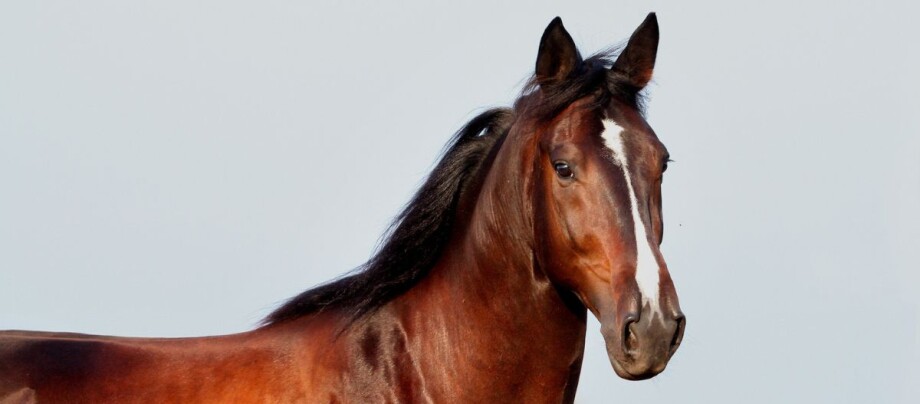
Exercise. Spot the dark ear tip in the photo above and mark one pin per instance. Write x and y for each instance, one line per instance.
(652, 18)
(554, 24)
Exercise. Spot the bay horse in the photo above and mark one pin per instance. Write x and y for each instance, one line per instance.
(534, 216)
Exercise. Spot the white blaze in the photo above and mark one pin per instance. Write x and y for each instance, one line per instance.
(647, 270)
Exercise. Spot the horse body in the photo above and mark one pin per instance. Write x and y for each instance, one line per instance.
(535, 216)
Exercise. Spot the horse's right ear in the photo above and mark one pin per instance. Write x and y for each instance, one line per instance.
(558, 57)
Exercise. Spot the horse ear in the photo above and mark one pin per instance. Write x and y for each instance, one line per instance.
(637, 60)
(558, 56)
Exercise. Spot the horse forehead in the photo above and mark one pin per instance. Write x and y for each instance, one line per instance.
(628, 116)
(629, 142)
(583, 119)
(576, 119)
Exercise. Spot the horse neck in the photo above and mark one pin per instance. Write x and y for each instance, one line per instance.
(489, 271)
(484, 325)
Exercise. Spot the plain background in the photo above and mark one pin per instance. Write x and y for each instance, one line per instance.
(177, 168)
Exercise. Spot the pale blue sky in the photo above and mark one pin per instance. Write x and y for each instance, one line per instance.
(177, 168)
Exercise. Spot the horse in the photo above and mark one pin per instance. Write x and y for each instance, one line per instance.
(535, 215)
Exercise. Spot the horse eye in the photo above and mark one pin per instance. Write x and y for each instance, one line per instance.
(563, 170)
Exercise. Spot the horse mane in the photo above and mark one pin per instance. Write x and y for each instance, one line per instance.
(414, 241)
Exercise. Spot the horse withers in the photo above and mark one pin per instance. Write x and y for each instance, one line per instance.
(534, 216)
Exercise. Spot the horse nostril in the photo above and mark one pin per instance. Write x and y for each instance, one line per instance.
(679, 333)
(630, 339)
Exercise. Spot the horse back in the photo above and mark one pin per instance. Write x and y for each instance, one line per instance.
(77, 368)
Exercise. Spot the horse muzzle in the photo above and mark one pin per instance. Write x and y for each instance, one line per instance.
(640, 344)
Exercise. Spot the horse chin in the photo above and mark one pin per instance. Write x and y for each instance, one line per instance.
(621, 371)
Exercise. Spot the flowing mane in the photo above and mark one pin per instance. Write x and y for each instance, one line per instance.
(417, 235)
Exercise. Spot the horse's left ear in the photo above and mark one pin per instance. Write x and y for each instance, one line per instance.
(558, 57)
(637, 60)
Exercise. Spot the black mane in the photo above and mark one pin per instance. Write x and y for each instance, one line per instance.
(418, 234)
